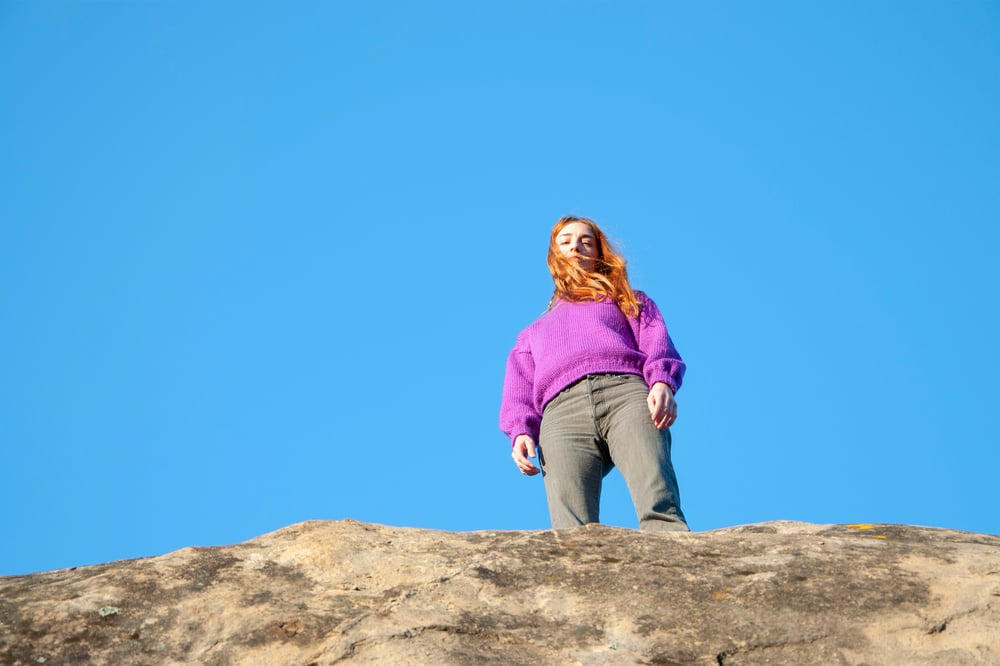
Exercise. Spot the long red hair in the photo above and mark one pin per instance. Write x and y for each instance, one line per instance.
(607, 280)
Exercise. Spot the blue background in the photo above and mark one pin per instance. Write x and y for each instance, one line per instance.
(263, 262)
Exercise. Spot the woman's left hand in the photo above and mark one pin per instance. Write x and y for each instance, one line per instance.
(662, 406)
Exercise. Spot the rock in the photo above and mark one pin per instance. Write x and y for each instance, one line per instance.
(330, 592)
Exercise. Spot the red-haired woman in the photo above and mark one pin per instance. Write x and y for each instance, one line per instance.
(590, 386)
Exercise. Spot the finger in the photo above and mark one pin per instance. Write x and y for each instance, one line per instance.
(528, 469)
(669, 414)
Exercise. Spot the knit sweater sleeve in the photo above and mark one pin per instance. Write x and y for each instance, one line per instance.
(518, 415)
(663, 363)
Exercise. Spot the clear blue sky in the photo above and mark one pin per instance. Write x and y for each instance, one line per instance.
(263, 262)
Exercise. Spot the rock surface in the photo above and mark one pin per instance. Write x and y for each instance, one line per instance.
(331, 592)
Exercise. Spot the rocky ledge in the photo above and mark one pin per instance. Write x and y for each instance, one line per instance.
(331, 592)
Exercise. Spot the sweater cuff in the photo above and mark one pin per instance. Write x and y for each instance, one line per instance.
(665, 379)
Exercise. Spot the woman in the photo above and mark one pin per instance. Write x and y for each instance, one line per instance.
(590, 386)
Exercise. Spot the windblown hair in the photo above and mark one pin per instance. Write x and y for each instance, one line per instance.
(608, 279)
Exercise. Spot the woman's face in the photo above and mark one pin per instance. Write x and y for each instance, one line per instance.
(577, 241)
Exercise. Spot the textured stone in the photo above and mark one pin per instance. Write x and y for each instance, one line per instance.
(330, 592)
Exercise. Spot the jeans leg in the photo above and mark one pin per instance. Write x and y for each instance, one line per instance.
(642, 454)
(574, 461)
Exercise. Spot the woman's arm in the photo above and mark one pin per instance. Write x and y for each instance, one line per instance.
(663, 362)
(664, 369)
(518, 415)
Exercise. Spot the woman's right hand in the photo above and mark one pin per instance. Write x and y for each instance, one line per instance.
(524, 448)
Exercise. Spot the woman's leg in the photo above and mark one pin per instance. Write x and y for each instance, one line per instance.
(641, 453)
(574, 461)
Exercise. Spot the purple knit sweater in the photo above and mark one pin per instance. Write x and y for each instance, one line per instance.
(576, 339)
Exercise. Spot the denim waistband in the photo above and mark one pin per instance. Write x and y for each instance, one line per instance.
(602, 375)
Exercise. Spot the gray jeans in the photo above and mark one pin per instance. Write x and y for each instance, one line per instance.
(592, 426)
